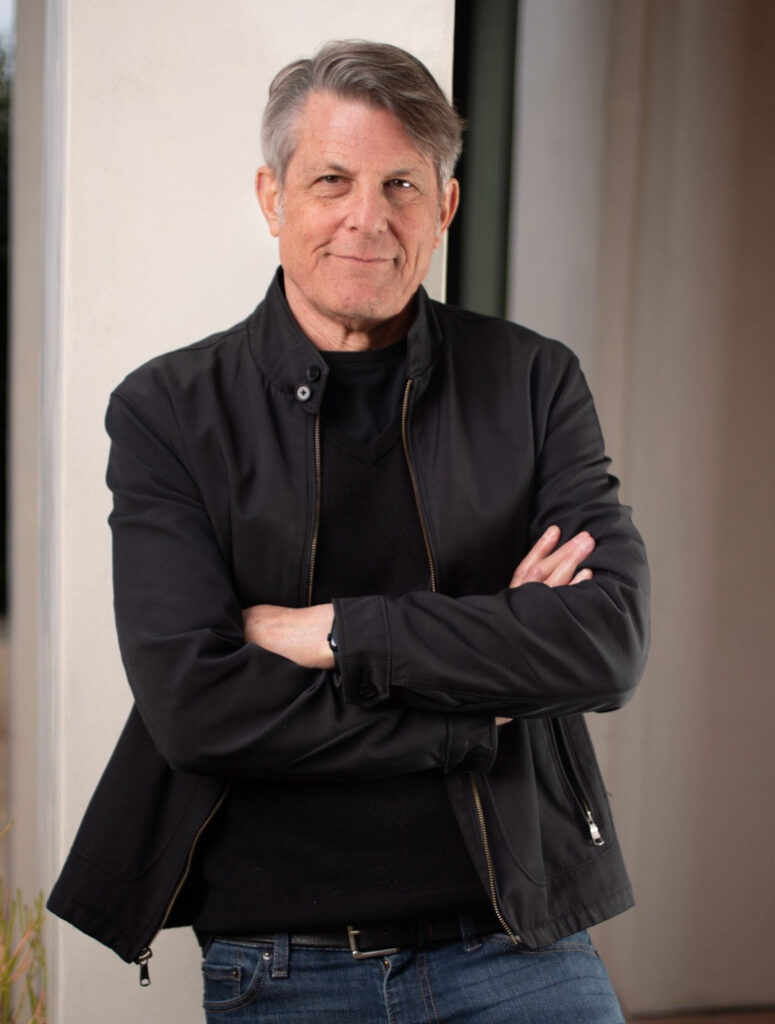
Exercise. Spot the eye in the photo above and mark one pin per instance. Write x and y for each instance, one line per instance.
(330, 179)
(401, 184)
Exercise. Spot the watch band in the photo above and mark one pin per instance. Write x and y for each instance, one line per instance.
(332, 640)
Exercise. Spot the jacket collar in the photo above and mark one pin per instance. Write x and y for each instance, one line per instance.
(289, 360)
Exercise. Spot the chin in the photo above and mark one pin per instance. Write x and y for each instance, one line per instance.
(365, 308)
(356, 318)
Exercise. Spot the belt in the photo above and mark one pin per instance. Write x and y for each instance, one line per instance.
(383, 938)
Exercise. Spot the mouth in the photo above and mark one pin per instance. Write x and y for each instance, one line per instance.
(365, 261)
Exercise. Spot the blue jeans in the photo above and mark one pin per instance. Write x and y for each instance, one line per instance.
(484, 980)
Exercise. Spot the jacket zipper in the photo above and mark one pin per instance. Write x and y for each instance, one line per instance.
(488, 860)
(313, 546)
(146, 953)
(413, 478)
(572, 777)
(493, 892)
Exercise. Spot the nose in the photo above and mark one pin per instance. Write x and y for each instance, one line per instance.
(367, 211)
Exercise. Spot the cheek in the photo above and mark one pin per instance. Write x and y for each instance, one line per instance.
(423, 241)
(294, 243)
(307, 235)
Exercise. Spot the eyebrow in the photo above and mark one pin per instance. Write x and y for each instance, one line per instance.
(341, 169)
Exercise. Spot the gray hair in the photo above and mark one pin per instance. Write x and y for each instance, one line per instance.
(378, 74)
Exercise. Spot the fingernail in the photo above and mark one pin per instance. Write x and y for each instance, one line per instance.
(551, 532)
(585, 542)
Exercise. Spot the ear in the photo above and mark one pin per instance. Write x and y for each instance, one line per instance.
(268, 195)
(450, 197)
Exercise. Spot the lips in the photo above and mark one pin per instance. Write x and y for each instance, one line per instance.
(364, 260)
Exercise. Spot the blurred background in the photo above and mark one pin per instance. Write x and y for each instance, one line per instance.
(619, 194)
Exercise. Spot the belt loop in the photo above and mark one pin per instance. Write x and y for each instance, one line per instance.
(468, 933)
(280, 959)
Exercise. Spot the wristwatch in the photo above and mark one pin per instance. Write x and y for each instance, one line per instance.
(334, 645)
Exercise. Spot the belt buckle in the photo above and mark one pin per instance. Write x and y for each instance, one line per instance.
(364, 954)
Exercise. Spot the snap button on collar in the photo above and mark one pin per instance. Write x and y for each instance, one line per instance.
(303, 393)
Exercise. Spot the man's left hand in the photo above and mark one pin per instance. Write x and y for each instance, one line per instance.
(299, 634)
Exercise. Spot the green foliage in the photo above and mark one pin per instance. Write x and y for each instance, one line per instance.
(22, 958)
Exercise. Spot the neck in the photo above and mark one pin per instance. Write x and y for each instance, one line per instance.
(343, 334)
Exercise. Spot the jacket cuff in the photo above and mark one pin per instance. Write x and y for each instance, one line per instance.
(472, 743)
(364, 650)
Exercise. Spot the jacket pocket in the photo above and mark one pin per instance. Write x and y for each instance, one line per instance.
(571, 775)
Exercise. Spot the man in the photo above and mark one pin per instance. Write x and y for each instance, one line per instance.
(357, 762)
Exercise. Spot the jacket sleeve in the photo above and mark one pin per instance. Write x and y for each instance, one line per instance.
(212, 703)
(533, 650)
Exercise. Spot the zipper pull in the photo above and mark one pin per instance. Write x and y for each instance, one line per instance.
(594, 831)
(143, 958)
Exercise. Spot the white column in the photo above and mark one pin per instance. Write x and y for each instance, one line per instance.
(152, 240)
(24, 448)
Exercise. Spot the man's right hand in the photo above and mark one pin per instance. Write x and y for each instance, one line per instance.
(542, 564)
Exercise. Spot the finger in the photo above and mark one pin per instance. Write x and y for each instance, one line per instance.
(576, 551)
(584, 574)
(502, 721)
(542, 547)
(562, 562)
(566, 571)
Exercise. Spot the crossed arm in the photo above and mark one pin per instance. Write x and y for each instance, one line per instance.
(300, 634)
(422, 677)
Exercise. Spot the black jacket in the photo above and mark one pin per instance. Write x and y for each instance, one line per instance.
(214, 467)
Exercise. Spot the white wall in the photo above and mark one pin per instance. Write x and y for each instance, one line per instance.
(152, 240)
(24, 442)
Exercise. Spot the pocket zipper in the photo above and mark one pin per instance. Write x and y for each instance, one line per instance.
(567, 766)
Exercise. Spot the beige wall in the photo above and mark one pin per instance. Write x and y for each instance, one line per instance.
(151, 239)
(562, 77)
(683, 363)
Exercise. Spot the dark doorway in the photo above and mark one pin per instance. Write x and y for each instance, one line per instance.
(483, 91)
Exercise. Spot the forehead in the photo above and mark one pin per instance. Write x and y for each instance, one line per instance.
(334, 130)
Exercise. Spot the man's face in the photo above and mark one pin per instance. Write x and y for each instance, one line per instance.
(357, 218)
